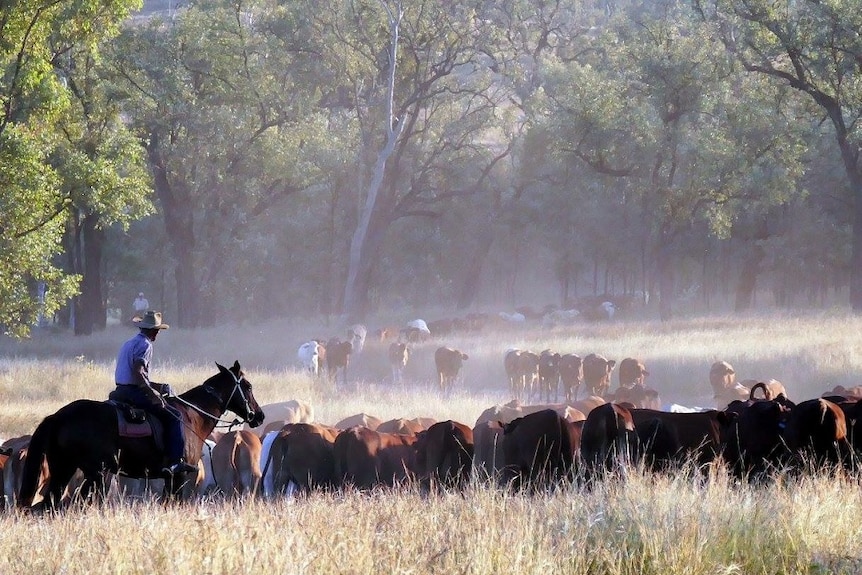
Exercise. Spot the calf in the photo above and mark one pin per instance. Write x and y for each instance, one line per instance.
(444, 454)
(291, 411)
(302, 455)
(571, 369)
(399, 354)
(448, 362)
(538, 449)
(365, 458)
(360, 419)
(488, 456)
(400, 425)
(356, 336)
(516, 380)
(337, 359)
(753, 445)
(722, 378)
(697, 435)
(816, 433)
(597, 373)
(549, 374)
(608, 439)
(236, 463)
(632, 372)
(637, 396)
(309, 357)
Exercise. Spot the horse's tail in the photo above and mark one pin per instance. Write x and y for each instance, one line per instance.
(36, 452)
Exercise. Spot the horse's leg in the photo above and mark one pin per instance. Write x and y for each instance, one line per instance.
(58, 480)
(93, 487)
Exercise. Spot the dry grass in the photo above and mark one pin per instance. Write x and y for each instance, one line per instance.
(646, 525)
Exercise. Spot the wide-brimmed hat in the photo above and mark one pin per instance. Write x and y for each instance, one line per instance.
(150, 320)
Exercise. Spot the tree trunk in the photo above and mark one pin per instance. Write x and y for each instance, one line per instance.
(666, 278)
(852, 167)
(473, 272)
(360, 257)
(179, 226)
(747, 284)
(90, 314)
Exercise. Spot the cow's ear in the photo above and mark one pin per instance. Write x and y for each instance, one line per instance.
(464, 356)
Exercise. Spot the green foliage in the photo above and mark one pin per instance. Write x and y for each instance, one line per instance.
(34, 120)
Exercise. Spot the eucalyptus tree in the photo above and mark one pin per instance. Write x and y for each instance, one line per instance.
(519, 37)
(418, 90)
(103, 174)
(813, 47)
(38, 160)
(222, 98)
(657, 102)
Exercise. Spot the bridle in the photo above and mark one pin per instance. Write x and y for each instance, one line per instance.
(237, 389)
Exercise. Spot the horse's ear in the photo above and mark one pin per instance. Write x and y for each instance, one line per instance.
(220, 367)
(236, 367)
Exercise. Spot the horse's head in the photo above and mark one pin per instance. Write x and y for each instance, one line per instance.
(241, 400)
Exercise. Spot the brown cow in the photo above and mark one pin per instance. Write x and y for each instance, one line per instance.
(722, 378)
(817, 428)
(770, 388)
(522, 369)
(303, 454)
(401, 425)
(488, 457)
(528, 368)
(448, 362)
(516, 380)
(597, 373)
(848, 393)
(360, 419)
(282, 412)
(632, 372)
(608, 439)
(337, 359)
(444, 454)
(441, 327)
(236, 463)
(399, 354)
(365, 458)
(697, 435)
(17, 448)
(753, 445)
(588, 404)
(638, 397)
(549, 375)
(538, 449)
(571, 375)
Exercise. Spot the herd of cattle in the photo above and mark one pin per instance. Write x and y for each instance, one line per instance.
(755, 429)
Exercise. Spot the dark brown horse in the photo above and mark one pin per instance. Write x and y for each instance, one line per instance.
(85, 435)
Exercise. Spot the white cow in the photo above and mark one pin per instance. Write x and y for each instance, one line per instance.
(267, 475)
(206, 476)
(420, 325)
(309, 357)
(356, 336)
(292, 411)
(560, 317)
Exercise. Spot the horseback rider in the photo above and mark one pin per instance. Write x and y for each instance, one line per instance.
(132, 376)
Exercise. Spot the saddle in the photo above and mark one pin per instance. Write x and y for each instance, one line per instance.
(135, 422)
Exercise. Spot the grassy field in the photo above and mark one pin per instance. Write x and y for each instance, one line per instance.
(646, 524)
